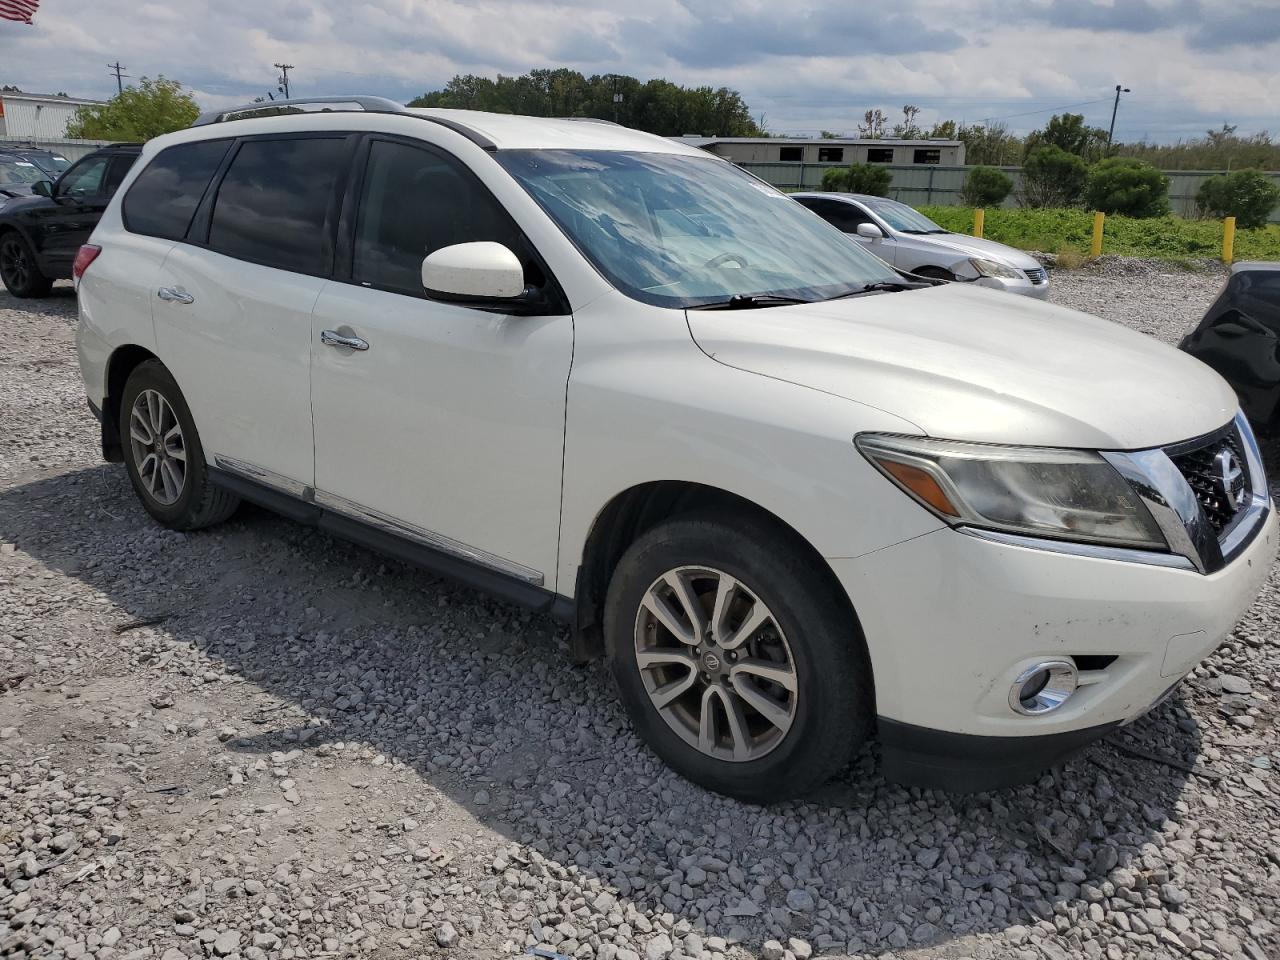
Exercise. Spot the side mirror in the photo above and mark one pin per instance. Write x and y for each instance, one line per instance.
(482, 273)
(870, 231)
(43, 188)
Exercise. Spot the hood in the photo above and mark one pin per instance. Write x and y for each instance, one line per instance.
(962, 245)
(10, 190)
(964, 363)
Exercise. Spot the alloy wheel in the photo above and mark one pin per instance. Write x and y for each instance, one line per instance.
(159, 452)
(14, 268)
(716, 664)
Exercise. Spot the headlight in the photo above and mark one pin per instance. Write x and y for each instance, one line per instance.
(989, 268)
(1036, 491)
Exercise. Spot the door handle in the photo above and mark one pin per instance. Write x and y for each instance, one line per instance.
(332, 338)
(175, 294)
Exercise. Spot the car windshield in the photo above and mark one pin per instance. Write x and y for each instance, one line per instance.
(19, 171)
(903, 218)
(681, 231)
(51, 163)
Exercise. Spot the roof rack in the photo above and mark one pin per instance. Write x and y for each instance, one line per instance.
(275, 108)
(356, 104)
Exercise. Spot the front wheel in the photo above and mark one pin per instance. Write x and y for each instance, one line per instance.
(163, 455)
(735, 657)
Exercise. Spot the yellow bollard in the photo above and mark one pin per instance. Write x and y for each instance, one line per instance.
(1095, 249)
(1228, 239)
(979, 217)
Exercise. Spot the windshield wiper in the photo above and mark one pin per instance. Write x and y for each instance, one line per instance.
(748, 301)
(880, 286)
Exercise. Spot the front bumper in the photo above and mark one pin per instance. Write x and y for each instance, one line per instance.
(950, 620)
(1022, 287)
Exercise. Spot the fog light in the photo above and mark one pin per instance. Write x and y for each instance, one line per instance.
(1043, 687)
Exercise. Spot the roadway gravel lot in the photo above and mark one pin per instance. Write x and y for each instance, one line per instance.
(260, 742)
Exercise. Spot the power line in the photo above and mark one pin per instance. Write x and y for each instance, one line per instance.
(284, 69)
(116, 69)
(1064, 106)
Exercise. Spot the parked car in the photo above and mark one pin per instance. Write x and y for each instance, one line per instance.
(913, 243)
(40, 235)
(51, 164)
(1240, 338)
(16, 178)
(792, 498)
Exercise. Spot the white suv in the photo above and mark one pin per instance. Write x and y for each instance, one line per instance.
(793, 497)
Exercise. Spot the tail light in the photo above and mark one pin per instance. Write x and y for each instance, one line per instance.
(84, 256)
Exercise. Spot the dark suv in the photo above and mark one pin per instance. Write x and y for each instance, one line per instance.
(39, 235)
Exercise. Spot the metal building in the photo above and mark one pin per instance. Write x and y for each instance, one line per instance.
(38, 116)
(843, 151)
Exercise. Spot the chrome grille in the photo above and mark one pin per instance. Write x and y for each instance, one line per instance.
(1038, 275)
(1199, 466)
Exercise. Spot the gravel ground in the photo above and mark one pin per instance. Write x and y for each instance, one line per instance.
(260, 742)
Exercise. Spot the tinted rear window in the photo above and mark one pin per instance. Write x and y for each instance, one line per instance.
(273, 202)
(164, 198)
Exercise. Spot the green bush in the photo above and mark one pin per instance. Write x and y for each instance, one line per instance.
(866, 178)
(1128, 186)
(1051, 177)
(986, 187)
(1247, 195)
(1170, 238)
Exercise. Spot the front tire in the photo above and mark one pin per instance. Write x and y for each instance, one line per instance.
(162, 453)
(18, 269)
(736, 658)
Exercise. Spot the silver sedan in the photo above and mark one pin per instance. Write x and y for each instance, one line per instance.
(910, 241)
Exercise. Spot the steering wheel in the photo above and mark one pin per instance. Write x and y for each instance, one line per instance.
(722, 259)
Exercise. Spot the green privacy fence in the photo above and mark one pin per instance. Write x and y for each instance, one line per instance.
(920, 185)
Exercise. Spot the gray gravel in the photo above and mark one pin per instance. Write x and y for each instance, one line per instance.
(259, 742)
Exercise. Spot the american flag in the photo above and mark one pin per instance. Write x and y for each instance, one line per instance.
(20, 10)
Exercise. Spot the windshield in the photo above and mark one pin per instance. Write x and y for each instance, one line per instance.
(680, 231)
(50, 163)
(902, 218)
(19, 171)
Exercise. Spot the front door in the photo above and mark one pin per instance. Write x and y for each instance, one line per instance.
(449, 427)
(79, 197)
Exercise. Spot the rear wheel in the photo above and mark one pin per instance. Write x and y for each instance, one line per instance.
(18, 268)
(737, 661)
(163, 455)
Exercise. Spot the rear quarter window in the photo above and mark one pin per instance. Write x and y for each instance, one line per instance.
(164, 197)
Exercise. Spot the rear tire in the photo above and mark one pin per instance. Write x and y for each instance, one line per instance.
(18, 268)
(162, 453)
(803, 667)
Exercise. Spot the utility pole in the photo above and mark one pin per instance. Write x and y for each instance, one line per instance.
(1114, 107)
(117, 70)
(284, 69)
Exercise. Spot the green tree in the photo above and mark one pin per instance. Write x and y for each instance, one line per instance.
(868, 178)
(1069, 132)
(990, 144)
(986, 187)
(1052, 177)
(657, 106)
(137, 113)
(1127, 185)
(1247, 195)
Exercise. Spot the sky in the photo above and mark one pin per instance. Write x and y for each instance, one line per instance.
(804, 65)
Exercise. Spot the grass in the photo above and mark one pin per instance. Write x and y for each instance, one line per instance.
(1069, 232)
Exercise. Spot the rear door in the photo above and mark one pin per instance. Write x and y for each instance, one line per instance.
(233, 320)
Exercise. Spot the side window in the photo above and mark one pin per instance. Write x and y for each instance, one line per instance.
(116, 172)
(414, 202)
(273, 201)
(84, 179)
(162, 201)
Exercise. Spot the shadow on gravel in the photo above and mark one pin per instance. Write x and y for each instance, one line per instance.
(474, 694)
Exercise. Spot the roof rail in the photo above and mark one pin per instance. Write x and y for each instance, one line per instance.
(612, 123)
(274, 108)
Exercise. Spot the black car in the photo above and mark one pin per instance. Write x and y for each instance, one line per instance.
(52, 165)
(1240, 338)
(17, 177)
(40, 235)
